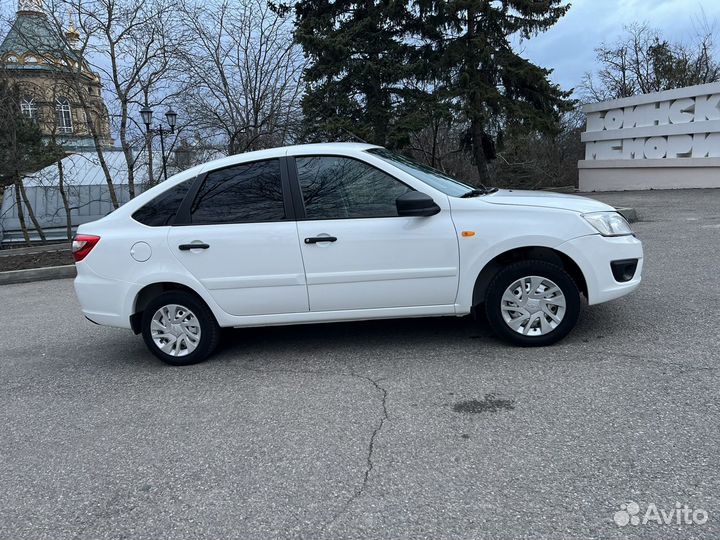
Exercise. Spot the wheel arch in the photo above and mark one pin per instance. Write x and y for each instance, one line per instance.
(541, 253)
(152, 290)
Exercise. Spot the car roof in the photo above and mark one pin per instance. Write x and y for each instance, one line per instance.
(323, 147)
(296, 150)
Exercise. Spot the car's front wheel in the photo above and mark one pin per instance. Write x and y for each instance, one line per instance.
(532, 303)
(179, 328)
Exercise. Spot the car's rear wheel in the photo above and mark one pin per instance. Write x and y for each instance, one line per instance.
(179, 328)
(532, 303)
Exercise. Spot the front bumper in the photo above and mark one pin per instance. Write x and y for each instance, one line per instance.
(594, 254)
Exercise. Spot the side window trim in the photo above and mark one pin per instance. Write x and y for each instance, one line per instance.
(296, 190)
(183, 214)
(290, 212)
(183, 217)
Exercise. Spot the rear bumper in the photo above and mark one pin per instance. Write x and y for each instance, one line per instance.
(101, 299)
(594, 255)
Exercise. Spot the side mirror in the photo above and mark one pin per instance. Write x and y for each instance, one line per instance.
(415, 203)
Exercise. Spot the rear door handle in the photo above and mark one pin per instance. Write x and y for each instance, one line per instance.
(188, 247)
(316, 239)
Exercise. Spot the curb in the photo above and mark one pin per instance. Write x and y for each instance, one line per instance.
(37, 274)
(630, 214)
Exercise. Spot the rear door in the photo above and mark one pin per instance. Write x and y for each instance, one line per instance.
(237, 236)
(372, 257)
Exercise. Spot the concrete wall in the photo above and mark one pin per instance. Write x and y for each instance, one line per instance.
(663, 140)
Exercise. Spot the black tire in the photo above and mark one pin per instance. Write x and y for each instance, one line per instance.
(209, 329)
(513, 272)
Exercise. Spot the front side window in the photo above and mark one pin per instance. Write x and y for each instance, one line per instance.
(161, 210)
(247, 193)
(335, 187)
(28, 108)
(439, 180)
(64, 115)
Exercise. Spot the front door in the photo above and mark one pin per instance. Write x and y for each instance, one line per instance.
(358, 253)
(240, 242)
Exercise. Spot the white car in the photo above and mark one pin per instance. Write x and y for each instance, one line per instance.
(343, 232)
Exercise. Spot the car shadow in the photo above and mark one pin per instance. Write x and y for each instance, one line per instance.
(373, 339)
(353, 337)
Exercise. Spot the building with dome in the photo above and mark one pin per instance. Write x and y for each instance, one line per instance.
(57, 87)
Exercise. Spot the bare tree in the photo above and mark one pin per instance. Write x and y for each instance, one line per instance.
(55, 90)
(243, 73)
(132, 43)
(535, 160)
(643, 61)
(65, 199)
(139, 42)
(66, 52)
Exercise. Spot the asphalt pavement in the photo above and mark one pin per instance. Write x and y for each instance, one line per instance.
(417, 428)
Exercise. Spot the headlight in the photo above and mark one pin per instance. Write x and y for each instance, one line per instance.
(608, 223)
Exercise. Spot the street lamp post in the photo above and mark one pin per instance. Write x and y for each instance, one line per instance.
(171, 117)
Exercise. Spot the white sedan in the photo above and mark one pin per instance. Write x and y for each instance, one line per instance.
(342, 232)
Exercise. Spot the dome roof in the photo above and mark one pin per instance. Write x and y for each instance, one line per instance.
(32, 33)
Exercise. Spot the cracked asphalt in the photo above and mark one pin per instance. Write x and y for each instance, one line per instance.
(426, 428)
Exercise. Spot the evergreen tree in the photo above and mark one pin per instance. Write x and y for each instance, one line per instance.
(22, 151)
(357, 67)
(466, 47)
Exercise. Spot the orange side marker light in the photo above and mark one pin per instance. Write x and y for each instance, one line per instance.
(468, 233)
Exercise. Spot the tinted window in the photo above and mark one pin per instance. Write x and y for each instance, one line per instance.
(250, 192)
(337, 187)
(161, 210)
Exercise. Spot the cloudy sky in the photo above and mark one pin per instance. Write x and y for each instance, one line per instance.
(567, 47)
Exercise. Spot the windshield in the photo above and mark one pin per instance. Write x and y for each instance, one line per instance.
(432, 177)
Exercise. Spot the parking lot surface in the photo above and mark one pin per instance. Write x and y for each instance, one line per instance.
(426, 428)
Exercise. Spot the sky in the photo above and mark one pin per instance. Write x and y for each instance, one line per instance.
(568, 47)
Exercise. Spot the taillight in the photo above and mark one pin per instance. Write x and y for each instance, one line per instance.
(82, 245)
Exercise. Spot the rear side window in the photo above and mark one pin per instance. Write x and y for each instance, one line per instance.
(161, 210)
(247, 193)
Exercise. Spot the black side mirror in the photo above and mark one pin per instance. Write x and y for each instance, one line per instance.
(415, 203)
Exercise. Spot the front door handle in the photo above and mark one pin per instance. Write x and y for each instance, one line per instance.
(188, 247)
(316, 239)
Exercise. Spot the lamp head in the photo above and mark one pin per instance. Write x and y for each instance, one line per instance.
(147, 114)
(171, 117)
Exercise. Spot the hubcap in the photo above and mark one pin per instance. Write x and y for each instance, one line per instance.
(533, 306)
(175, 330)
